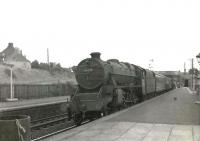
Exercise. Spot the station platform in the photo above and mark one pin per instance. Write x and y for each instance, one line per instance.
(173, 116)
(14, 105)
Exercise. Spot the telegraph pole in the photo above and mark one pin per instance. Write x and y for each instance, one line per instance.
(192, 73)
(48, 57)
(184, 68)
(198, 82)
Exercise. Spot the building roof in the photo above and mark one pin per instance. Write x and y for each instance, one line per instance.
(12, 53)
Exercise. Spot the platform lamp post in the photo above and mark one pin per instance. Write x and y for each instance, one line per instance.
(12, 96)
(198, 60)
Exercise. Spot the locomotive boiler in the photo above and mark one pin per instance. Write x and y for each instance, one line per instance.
(104, 86)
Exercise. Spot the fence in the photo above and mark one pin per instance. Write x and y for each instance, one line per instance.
(24, 91)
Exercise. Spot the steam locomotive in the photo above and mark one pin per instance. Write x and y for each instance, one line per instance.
(105, 86)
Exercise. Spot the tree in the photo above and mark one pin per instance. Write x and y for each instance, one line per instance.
(58, 65)
(194, 71)
(44, 66)
(35, 64)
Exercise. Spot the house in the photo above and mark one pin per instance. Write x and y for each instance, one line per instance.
(14, 56)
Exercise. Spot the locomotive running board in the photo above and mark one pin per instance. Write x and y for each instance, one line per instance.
(136, 86)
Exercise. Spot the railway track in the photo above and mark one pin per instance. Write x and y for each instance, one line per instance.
(49, 125)
(50, 128)
(42, 122)
(53, 125)
(46, 123)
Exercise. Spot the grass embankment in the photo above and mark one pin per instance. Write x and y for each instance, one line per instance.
(36, 76)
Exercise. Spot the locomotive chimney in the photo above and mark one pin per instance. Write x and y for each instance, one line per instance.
(10, 44)
(95, 55)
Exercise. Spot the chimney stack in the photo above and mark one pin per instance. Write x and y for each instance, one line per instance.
(95, 55)
(10, 44)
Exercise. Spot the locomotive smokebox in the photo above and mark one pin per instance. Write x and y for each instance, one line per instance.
(95, 55)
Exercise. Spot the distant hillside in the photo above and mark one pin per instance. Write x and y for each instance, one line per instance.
(35, 76)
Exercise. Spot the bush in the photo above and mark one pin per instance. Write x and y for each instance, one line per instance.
(35, 64)
(52, 67)
(44, 66)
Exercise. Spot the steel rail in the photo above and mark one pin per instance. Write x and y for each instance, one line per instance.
(59, 131)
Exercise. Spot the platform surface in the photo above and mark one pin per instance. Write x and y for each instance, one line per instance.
(175, 107)
(31, 102)
(173, 116)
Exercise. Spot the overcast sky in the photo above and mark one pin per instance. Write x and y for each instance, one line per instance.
(135, 31)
